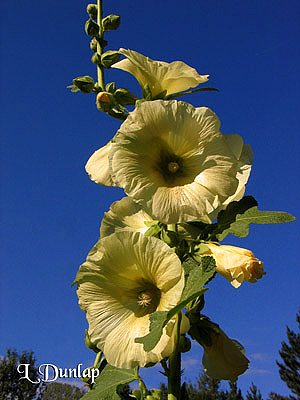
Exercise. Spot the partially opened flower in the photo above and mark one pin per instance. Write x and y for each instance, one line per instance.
(159, 75)
(236, 264)
(125, 215)
(128, 276)
(172, 159)
(97, 166)
(225, 358)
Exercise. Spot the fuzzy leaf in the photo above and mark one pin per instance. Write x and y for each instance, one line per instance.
(199, 273)
(240, 226)
(109, 381)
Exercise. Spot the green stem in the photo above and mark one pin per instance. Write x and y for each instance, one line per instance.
(100, 69)
(97, 359)
(174, 376)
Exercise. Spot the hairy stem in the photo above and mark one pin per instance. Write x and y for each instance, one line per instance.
(100, 69)
(174, 376)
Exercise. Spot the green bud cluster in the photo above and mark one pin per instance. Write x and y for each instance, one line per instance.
(85, 84)
(91, 28)
(111, 22)
(92, 10)
(93, 45)
(109, 58)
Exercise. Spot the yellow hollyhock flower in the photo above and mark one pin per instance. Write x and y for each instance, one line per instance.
(172, 159)
(225, 358)
(124, 215)
(128, 276)
(97, 166)
(236, 264)
(159, 75)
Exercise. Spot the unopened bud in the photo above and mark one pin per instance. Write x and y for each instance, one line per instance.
(109, 58)
(91, 28)
(104, 101)
(125, 97)
(92, 10)
(96, 58)
(93, 45)
(111, 22)
(84, 83)
(111, 87)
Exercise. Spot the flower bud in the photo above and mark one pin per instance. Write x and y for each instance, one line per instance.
(91, 28)
(236, 264)
(124, 97)
(225, 358)
(93, 45)
(109, 58)
(84, 83)
(92, 10)
(96, 58)
(111, 22)
(104, 101)
(111, 87)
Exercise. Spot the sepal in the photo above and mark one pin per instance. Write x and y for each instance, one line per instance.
(91, 28)
(84, 83)
(109, 58)
(92, 10)
(111, 22)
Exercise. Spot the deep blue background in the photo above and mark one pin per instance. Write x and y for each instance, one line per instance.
(51, 211)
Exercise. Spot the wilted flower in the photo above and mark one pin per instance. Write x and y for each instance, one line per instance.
(236, 264)
(225, 358)
(172, 159)
(159, 75)
(98, 166)
(126, 277)
(124, 215)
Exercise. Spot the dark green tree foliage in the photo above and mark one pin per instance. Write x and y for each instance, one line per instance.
(62, 391)
(235, 393)
(275, 396)
(253, 393)
(289, 370)
(11, 387)
(206, 388)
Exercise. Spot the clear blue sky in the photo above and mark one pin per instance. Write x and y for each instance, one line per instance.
(51, 211)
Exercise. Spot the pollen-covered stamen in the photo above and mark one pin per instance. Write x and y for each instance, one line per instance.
(173, 167)
(144, 298)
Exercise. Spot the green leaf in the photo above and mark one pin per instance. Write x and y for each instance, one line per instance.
(73, 88)
(199, 273)
(109, 381)
(228, 216)
(240, 226)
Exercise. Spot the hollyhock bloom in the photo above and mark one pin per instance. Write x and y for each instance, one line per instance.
(159, 75)
(172, 159)
(97, 166)
(128, 276)
(225, 358)
(125, 215)
(236, 264)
